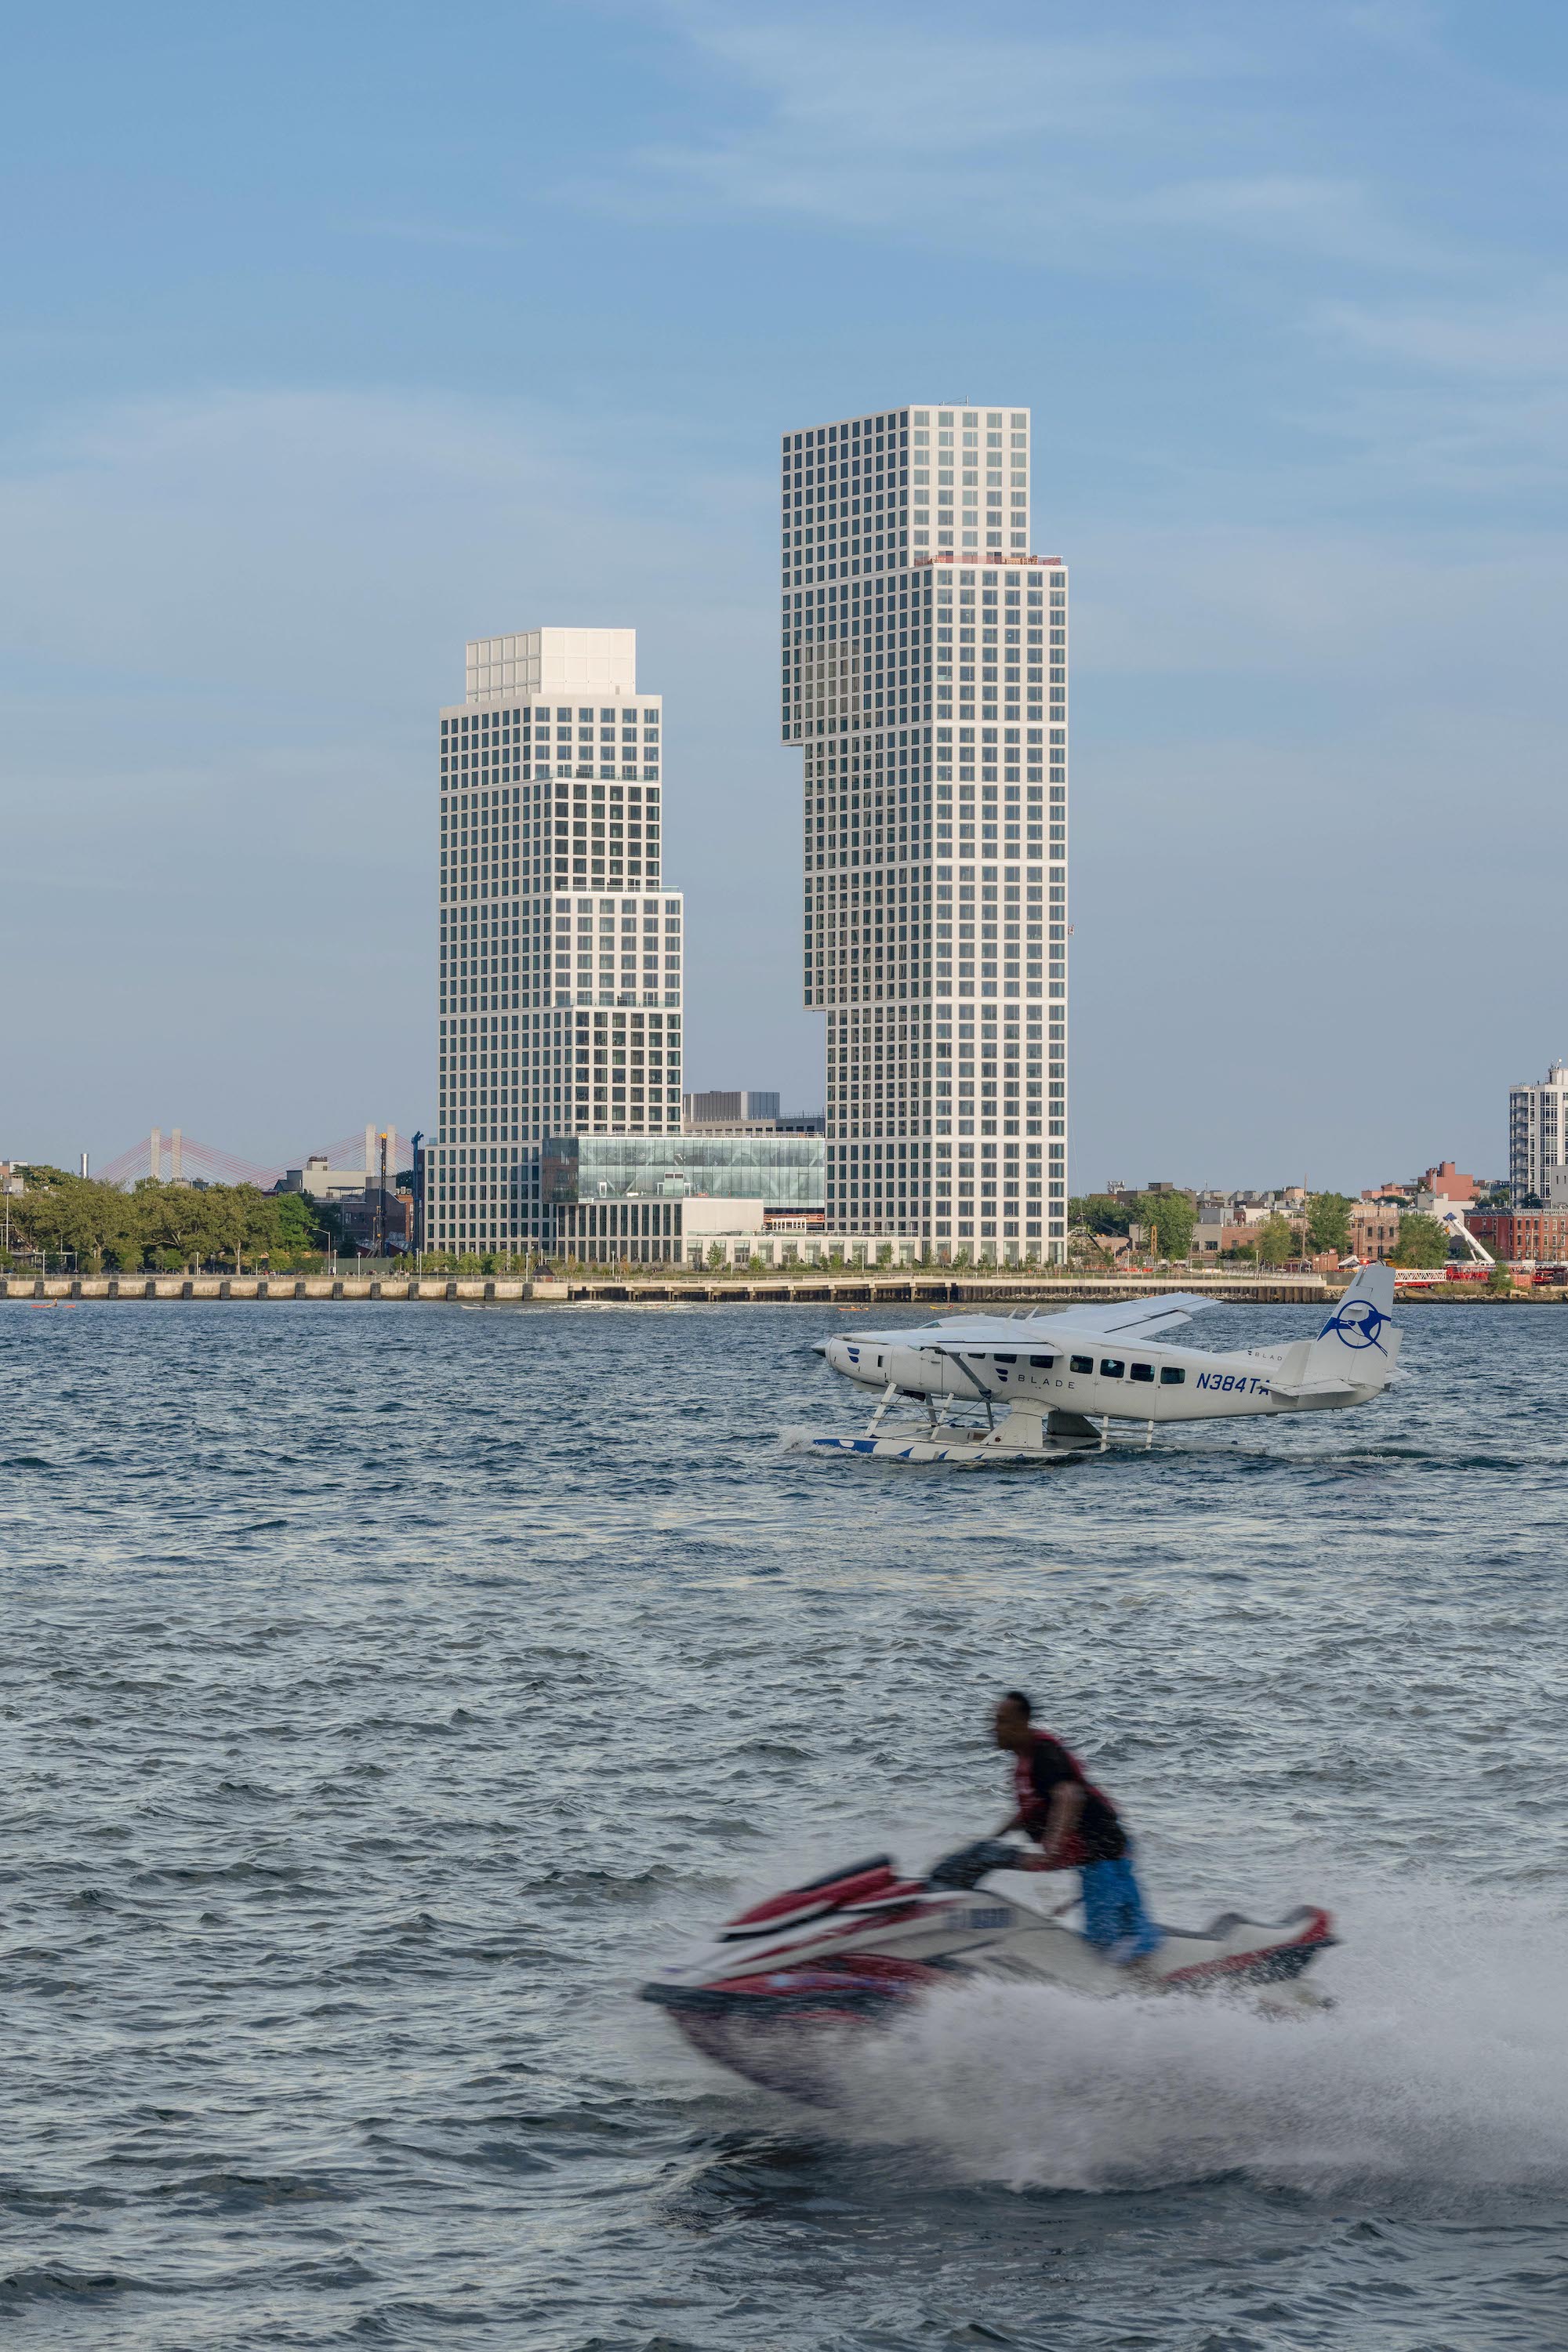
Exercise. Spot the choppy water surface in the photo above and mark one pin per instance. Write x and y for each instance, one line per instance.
(385, 1689)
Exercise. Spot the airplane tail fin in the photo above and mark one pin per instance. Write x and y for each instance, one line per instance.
(1357, 1347)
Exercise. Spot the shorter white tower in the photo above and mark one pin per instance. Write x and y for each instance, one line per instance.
(560, 1005)
(1537, 1134)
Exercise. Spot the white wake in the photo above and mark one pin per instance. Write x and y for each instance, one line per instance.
(1444, 2061)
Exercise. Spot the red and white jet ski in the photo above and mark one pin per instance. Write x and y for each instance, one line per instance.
(858, 1947)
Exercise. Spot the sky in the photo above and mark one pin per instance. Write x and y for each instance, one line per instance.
(331, 338)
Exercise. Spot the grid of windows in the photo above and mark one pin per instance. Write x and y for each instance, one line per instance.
(924, 679)
(561, 952)
(1538, 1136)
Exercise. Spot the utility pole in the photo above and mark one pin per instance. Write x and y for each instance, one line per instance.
(379, 1230)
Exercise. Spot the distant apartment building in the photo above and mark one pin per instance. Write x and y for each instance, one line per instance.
(560, 994)
(1537, 1134)
(924, 681)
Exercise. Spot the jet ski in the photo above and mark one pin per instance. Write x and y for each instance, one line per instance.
(770, 1992)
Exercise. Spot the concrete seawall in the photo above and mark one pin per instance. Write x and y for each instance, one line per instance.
(834, 1287)
(849, 1285)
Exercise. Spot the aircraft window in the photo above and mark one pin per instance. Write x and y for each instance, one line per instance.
(1042, 1363)
(1172, 1376)
(1006, 1360)
(1082, 1363)
(1143, 1371)
(1111, 1367)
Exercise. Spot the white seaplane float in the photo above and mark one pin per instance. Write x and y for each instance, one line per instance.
(1045, 1388)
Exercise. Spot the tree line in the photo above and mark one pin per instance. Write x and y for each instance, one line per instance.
(1171, 1218)
(166, 1228)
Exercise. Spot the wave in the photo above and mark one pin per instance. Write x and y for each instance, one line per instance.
(1444, 2063)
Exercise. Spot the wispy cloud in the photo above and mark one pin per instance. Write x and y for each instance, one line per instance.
(1517, 335)
(1072, 148)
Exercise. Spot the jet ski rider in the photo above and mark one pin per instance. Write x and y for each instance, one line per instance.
(1075, 1827)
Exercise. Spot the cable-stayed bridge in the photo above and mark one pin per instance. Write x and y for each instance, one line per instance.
(171, 1156)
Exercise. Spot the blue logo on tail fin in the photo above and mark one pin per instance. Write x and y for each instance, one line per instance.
(1358, 1323)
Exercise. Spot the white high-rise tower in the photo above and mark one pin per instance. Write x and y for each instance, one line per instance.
(561, 965)
(925, 680)
(1538, 1136)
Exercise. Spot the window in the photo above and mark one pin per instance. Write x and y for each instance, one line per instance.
(1111, 1367)
(1143, 1371)
(1042, 1363)
(1172, 1376)
(1082, 1363)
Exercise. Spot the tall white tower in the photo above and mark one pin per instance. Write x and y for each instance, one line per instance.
(1536, 1134)
(925, 680)
(561, 951)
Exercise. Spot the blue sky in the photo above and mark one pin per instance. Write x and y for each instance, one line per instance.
(334, 337)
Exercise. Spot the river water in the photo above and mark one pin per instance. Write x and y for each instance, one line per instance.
(385, 1690)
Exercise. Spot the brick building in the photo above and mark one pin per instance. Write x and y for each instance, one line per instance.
(1374, 1228)
(1538, 1235)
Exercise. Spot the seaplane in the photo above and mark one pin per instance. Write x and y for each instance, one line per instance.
(1046, 1388)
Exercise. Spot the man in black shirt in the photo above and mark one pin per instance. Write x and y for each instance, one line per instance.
(1076, 1827)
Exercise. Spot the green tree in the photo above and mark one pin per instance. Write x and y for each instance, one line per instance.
(295, 1228)
(1171, 1216)
(1329, 1222)
(177, 1222)
(1500, 1281)
(1422, 1242)
(61, 1212)
(1099, 1214)
(1276, 1240)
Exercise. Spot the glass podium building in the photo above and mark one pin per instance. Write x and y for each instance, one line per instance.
(785, 1172)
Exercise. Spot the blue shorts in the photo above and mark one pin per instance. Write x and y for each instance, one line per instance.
(1113, 1914)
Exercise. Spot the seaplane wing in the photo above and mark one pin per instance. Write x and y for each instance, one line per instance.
(1141, 1317)
(1145, 1317)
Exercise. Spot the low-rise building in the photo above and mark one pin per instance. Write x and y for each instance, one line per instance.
(641, 1232)
(1536, 1236)
(1215, 1240)
(737, 1108)
(1447, 1183)
(324, 1183)
(1375, 1227)
(745, 1113)
(375, 1221)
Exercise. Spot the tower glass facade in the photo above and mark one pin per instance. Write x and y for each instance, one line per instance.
(560, 1004)
(924, 680)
